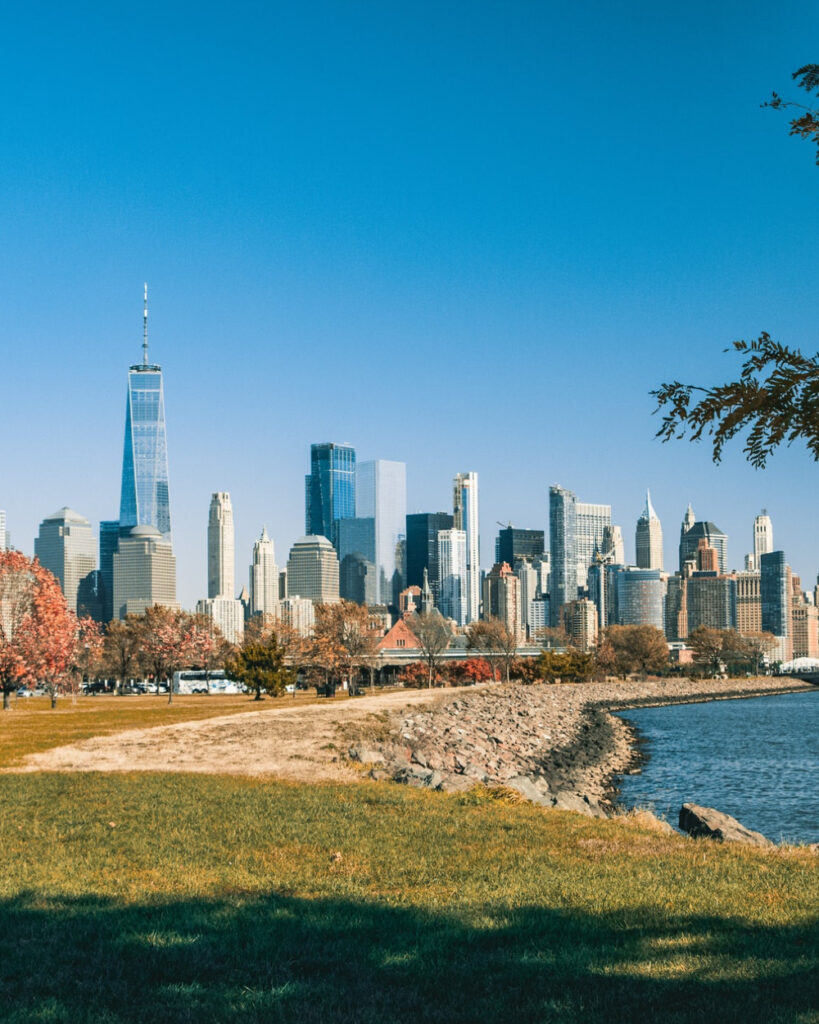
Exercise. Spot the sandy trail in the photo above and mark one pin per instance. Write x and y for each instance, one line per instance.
(298, 743)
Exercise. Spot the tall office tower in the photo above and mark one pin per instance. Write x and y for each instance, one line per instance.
(465, 516)
(144, 499)
(144, 572)
(264, 577)
(66, 547)
(612, 546)
(109, 542)
(226, 613)
(381, 495)
(691, 535)
(763, 536)
(221, 555)
(357, 579)
(707, 558)
(640, 597)
(3, 542)
(804, 629)
(649, 538)
(299, 613)
(579, 619)
(312, 570)
(422, 547)
(501, 598)
(592, 521)
(775, 595)
(512, 544)
(711, 601)
(676, 608)
(453, 582)
(529, 592)
(749, 602)
(329, 489)
(563, 547)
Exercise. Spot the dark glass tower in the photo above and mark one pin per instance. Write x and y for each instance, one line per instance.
(512, 544)
(563, 543)
(422, 548)
(144, 499)
(329, 490)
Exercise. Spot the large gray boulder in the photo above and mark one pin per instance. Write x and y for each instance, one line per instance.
(529, 790)
(708, 823)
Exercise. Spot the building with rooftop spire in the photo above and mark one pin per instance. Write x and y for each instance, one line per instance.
(649, 538)
(221, 545)
(144, 497)
(763, 537)
(264, 577)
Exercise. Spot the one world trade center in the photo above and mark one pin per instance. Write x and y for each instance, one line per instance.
(144, 498)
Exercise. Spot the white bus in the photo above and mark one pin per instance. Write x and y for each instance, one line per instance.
(200, 681)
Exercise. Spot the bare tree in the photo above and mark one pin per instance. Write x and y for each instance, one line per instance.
(433, 636)
(346, 628)
(495, 640)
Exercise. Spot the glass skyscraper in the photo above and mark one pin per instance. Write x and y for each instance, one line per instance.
(144, 499)
(381, 495)
(563, 544)
(329, 489)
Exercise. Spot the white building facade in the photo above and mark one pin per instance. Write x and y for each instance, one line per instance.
(452, 575)
(221, 547)
(466, 517)
(264, 577)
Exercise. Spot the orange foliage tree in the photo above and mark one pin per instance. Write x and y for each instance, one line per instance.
(36, 628)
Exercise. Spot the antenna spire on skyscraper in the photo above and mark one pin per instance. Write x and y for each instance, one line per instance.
(145, 328)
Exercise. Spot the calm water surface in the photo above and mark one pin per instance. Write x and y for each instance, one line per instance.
(756, 759)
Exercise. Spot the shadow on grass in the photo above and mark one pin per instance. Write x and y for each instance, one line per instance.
(280, 958)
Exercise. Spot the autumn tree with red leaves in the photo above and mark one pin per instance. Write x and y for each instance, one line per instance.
(36, 627)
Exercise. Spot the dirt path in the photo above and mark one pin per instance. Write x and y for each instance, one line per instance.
(291, 743)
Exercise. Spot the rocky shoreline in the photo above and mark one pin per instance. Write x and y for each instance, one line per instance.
(557, 745)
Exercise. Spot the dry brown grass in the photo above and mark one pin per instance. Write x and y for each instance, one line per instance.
(31, 726)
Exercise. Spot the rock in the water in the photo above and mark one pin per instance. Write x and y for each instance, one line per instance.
(708, 823)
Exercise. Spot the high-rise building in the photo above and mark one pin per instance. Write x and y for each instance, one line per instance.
(264, 577)
(592, 522)
(357, 579)
(676, 608)
(640, 597)
(67, 548)
(513, 544)
(381, 495)
(298, 613)
(465, 516)
(649, 538)
(422, 547)
(749, 602)
(144, 572)
(109, 543)
(711, 601)
(221, 547)
(529, 592)
(763, 536)
(144, 499)
(563, 547)
(775, 593)
(612, 546)
(329, 489)
(226, 613)
(312, 570)
(693, 532)
(501, 598)
(3, 542)
(579, 619)
(453, 578)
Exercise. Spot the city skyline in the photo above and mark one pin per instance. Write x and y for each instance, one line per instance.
(416, 218)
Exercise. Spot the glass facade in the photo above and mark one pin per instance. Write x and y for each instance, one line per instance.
(422, 548)
(329, 489)
(512, 544)
(381, 495)
(774, 586)
(109, 543)
(563, 545)
(640, 598)
(144, 499)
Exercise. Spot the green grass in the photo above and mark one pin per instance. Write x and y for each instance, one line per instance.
(149, 898)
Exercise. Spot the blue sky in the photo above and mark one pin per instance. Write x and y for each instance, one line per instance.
(469, 236)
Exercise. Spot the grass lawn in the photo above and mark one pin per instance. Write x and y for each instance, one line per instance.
(173, 898)
(31, 725)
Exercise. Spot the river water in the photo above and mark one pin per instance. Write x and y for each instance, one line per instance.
(756, 759)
